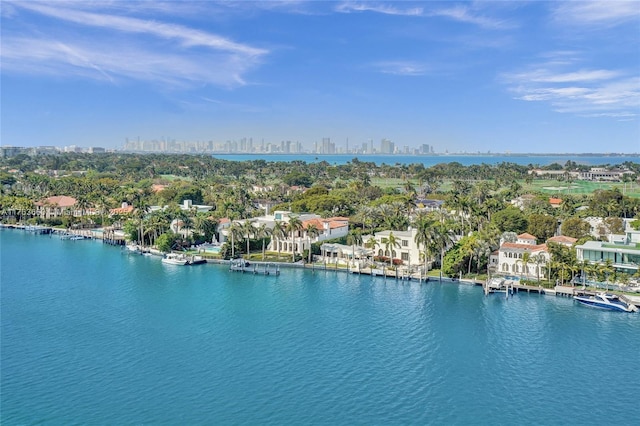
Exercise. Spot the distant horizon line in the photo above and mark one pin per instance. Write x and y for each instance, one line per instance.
(317, 154)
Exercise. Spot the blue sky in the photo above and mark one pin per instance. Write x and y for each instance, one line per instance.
(461, 76)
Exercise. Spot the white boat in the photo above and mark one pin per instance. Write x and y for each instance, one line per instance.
(175, 259)
(240, 265)
(606, 301)
(132, 248)
(196, 260)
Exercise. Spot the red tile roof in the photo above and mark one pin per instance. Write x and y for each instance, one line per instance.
(529, 247)
(319, 223)
(526, 236)
(563, 239)
(58, 201)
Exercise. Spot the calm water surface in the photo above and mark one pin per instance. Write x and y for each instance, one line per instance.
(432, 160)
(94, 336)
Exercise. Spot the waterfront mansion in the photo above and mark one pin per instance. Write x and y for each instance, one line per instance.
(525, 257)
(298, 240)
(623, 251)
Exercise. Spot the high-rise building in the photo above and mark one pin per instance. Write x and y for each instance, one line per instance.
(386, 146)
(328, 147)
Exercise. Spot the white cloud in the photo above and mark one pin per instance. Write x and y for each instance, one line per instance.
(188, 36)
(403, 68)
(96, 60)
(126, 47)
(468, 15)
(459, 13)
(585, 92)
(606, 13)
(378, 8)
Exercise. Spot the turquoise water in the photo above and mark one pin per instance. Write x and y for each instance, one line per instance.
(94, 336)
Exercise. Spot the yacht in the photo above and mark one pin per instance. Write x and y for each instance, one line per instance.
(606, 301)
(175, 259)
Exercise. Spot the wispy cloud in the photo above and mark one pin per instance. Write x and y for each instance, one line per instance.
(585, 92)
(126, 47)
(402, 68)
(602, 13)
(379, 8)
(460, 13)
(466, 14)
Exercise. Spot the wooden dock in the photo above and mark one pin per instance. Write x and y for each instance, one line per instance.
(511, 287)
(255, 268)
(397, 273)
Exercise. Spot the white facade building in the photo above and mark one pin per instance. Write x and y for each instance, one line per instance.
(510, 257)
(407, 250)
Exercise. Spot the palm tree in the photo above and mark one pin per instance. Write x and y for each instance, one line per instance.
(278, 232)
(312, 231)
(539, 259)
(443, 238)
(467, 248)
(235, 231)
(263, 232)
(526, 258)
(607, 270)
(372, 243)
(424, 235)
(248, 230)
(83, 203)
(354, 239)
(482, 250)
(390, 243)
(294, 226)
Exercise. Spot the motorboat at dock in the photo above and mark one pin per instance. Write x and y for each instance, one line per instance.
(606, 301)
(175, 259)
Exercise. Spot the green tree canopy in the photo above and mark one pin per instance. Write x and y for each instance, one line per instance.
(575, 227)
(542, 226)
(510, 219)
(166, 241)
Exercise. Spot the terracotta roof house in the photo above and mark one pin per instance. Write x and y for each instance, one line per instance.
(527, 238)
(564, 240)
(510, 257)
(56, 206)
(555, 202)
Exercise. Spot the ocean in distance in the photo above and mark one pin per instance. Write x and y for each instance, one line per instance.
(432, 160)
(91, 335)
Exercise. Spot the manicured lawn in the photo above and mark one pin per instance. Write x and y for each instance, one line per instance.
(555, 187)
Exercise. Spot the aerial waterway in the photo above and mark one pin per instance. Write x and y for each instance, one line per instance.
(92, 335)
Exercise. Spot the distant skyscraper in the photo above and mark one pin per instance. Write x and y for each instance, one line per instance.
(328, 147)
(386, 146)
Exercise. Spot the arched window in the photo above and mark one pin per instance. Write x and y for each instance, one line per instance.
(505, 267)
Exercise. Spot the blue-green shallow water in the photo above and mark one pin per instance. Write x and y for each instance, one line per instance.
(94, 336)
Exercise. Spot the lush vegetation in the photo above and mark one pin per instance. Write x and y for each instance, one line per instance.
(458, 238)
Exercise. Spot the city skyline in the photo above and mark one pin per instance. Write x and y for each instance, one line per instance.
(528, 77)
